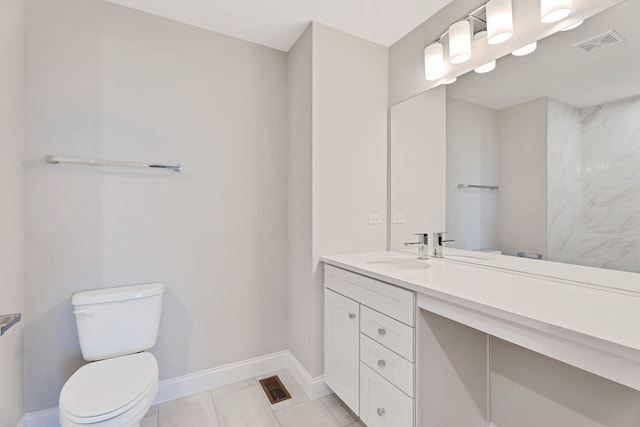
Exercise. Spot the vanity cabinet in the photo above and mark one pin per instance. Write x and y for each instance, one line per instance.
(370, 347)
(341, 347)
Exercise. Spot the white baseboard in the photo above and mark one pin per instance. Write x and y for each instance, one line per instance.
(189, 384)
(315, 388)
(45, 418)
(208, 379)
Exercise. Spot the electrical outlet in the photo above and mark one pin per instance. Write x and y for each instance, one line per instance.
(375, 218)
(399, 218)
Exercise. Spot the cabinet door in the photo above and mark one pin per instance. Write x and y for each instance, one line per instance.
(342, 347)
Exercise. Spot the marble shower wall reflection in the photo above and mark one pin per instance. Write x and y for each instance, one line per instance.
(593, 215)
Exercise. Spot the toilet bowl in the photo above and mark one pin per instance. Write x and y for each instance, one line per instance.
(115, 392)
(115, 327)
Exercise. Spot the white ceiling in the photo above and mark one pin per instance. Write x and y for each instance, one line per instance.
(279, 23)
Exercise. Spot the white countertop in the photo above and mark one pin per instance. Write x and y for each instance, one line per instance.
(610, 315)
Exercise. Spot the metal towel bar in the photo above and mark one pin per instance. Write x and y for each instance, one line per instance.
(7, 321)
(54, 160)
(478, 187)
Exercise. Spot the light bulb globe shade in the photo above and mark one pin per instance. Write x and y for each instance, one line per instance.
(499, 21)
(525, 50)
(434, 61)
(554, 10)
(460, 42)
(486, 68)
(450, 81)
(573, 26)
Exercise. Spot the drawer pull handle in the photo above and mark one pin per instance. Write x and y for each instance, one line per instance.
(381, 411)
(382, 363)
(382, 331)
(352, 315)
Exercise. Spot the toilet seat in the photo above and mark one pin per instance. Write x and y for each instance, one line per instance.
(105, 389)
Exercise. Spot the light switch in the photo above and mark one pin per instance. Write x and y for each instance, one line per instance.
(375, 218)
(399, 218)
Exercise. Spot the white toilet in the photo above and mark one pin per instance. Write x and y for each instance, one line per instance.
(115, 327)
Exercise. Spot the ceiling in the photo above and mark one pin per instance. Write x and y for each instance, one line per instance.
(560, 71)
(279, 23)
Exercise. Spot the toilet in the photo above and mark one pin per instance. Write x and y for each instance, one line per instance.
(115, 328)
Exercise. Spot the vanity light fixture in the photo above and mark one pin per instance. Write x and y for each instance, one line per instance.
(573, 26)
(434, 61)
(499, 21)
(450, 81)
(554, 10)
(525, 50)
(460, 42)
(486, 68)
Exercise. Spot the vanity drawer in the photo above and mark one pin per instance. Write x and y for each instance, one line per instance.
(399, 371)
(391, 300)
(389, 332)
(381, 403)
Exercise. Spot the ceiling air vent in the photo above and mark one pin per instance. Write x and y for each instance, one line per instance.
(599, 42)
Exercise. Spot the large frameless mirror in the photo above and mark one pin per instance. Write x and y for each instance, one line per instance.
(542, 154)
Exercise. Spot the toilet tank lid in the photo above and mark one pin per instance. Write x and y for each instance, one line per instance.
(120, 293)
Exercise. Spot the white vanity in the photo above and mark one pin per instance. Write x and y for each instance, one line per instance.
(370, 346)
(409, 342)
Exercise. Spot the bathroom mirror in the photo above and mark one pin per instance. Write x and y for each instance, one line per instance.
(542, 154)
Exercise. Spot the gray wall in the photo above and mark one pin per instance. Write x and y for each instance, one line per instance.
(300, 290)
(108, 82)
(12, 212)
(531, 390)
(522, 170)
(467, 377)
(349, 155)
(472, 158)
(418, 166)
(337, 168)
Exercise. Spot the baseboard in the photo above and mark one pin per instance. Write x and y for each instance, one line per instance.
(45, 418)
(178, 387)
(189, 384)
(314, 388)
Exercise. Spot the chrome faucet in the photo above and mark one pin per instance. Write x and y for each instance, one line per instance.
(438, 243)
(423, 242)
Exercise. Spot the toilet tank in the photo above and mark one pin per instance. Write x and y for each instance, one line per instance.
(113, 322)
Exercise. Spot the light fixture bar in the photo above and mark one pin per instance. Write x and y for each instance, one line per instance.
(470, 15)
(475, 18)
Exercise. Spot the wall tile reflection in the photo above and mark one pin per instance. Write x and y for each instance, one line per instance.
(594, 205)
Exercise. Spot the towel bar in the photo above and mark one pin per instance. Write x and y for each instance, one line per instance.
(7, 321)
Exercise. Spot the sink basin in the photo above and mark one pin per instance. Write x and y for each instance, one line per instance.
(401, 263)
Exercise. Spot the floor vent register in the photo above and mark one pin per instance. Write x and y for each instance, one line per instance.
(274, 389)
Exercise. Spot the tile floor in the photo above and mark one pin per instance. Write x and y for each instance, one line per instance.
(244, 404)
